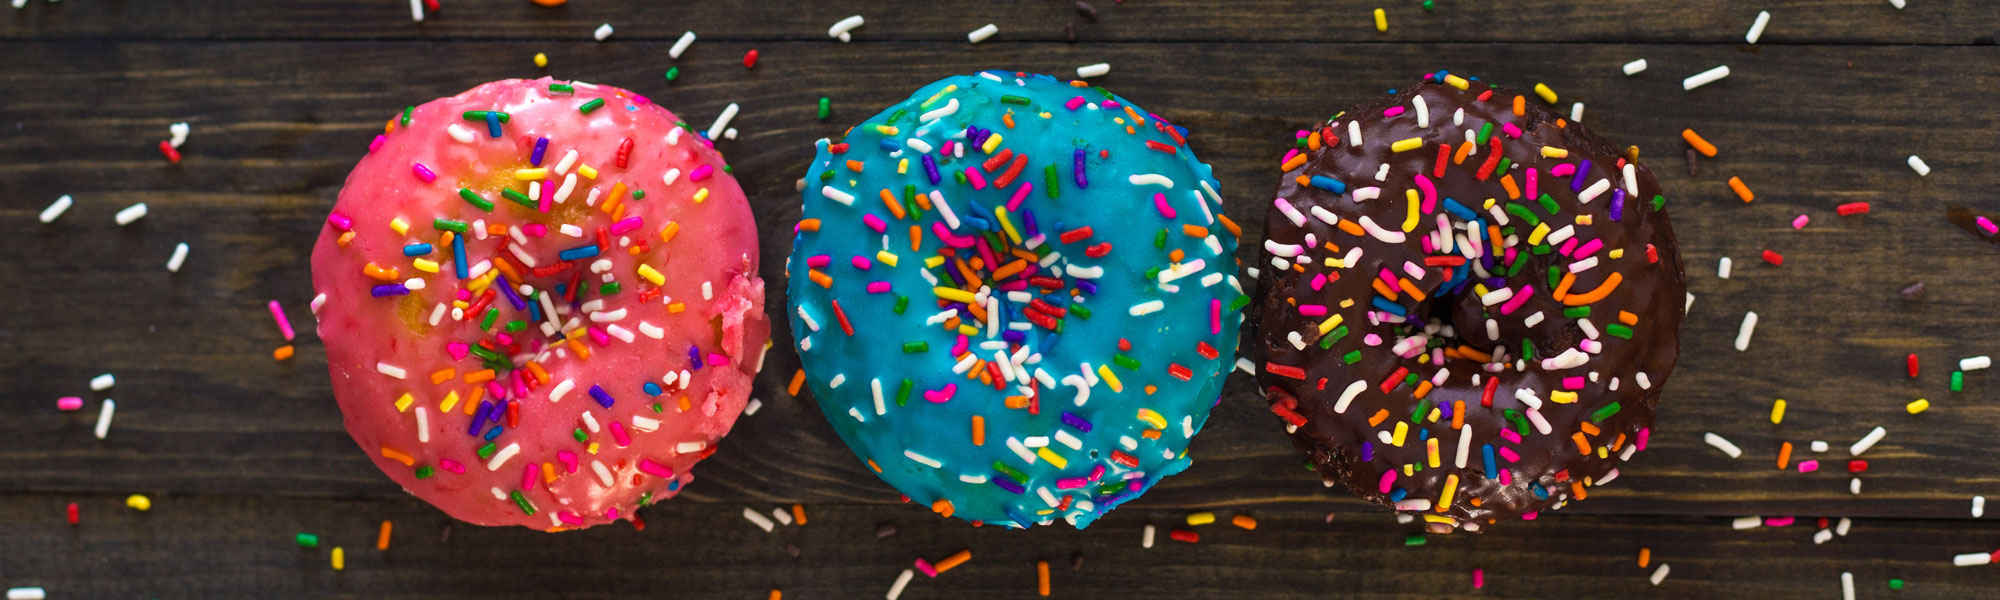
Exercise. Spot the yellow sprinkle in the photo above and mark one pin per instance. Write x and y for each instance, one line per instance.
(1402, 430)
(587, 171)
(403, 403)
(887, 129)
(541, 60)
(1201, 518)
(139, 502)
(884, 257)
(1054, 459)
(400, 226)
(933, 262)
(534, 174)
(1000, 213)
(992, 143)
(1429, 518)
(1410, 223)
(1450, 489)
(1111, 379)
(1548, 95)
(339, 559)
(1541, 230)
(1778, 412)
(1152, 418)
(903, 166)
(700, 195)
(426, 265)
(1562, 396)
(1554, 152)
(934, 97)
(1381, 20)
(967, 330)
(1919, 406)
(1431, 448)
(1329, 324)
(1407, 145)
(953, 294)
(1617, 253)
(647, 271)
(1456, 81)
(450, 400)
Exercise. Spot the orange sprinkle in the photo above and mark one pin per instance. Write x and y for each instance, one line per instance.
(799, 513)
(1010, 269)
(1176, 255)
(1589, 428)
(1194, 231)
(777, 595)
(344, 239)
(1411, 289)
(1784, 456)
(443, 375)
(1628, 318)
(673, 227)
(1244, 521)
(379, 273)
(889, 200)
(1576, 487)
(496, 229)
(916, 238)
(1382, 288)
(1645, 557)
(1423, 389)
(1295, 162)
(1610, 283)
(1582, 443)
(943, 507)
(1380, 415)
(1042, 577)
(978, 430)
(798, 379)
(1464, 150)
(956, 559)
(382, 539)
(472, 400)
(1700, 145)
(1520, 106)
(1229, 225)
(1008, 118)
(480, 376)
(1513, 192)
(1352, 228)
(820, 278)
(1562, 289)
(854, 165)
(1742, 191)
(1313, 141)
(1151, 434)
(282, 353)
(541, 374)
(1458, 413)
(872, 465)
(398, 456)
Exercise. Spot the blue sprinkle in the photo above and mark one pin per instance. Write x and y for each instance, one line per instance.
(674, 486)
(578, 253)
(458, 256)
(1536, 487)
(1492, 468)
(1397, 496)
(493, 123)
(416, 249)
(1386, 306)
(603, 398)
(494, 432)
(652, 389)
(1459, 210)
(889, 145)
(1329, 184)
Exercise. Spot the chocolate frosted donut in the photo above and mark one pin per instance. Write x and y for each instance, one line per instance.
(1471, 304)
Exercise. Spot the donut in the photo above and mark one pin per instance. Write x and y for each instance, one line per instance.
(1014, 297)
(1471, 304)
(540, 303)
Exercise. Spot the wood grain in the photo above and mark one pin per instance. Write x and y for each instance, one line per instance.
(1945, 22)
(689, 549)
(204, 410)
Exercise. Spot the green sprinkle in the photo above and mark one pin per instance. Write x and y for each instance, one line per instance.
(1338, 333)
(1576, 312)
(1153, 273)
(1549, 205)
(916, 347)
(1352, 357)
(1080, 311)
(1326, 342)
(903, 392)
(522, 501)
(475, 200)
(1430, 5)
(562, 87)
(513, 326)
(1895, 584)
(484, 354)
(1010, 471)
(593, 104)
(306, 540)
(1604, 413)
(487, 450)
(492, 314)
(1523, 213)
(1485, 131)
(825, 107)
(896, 116)
(659, 408)
(1021, 100)
(1423, 408)
(1527, 350)
(646, 499)
(519, 198)
(1618, 330)
(480, 115)
(1660, 202)
(608, 289)
(960, 176)
(425, 472)
(448, 225)
(826, 176)
(1555, 279)
(579, 435)
(902, 302)
(1413, 540)
(1520, 422)
(1958, 381)
(1540, 249)
(1160, 240)
(1049, 176)
(1504, 163)
(1125, 361)
(1239, 303)
(638, 194)
(406, 114)
(673, 73)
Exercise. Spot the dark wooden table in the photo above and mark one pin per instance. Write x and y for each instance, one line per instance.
(238, 452)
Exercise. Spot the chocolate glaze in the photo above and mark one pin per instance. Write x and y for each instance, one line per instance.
(1549, 464)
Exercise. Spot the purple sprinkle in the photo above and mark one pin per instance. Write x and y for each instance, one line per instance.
(541, 148)
(1070, 419)
(1087, 286)
(602, 397)
(479, 418)
(694, 358)
(1009, 485)
(1367, 451)
(1014, 336)
(512, 297)
(423, 172)
(389, 289)
(1582, 171)
(1077, 166)
(1617, 205)
(930, 168)
(1028, 218)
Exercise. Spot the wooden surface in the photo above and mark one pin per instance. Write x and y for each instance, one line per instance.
(239, 452)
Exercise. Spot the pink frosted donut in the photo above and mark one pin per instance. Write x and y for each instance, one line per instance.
(599, 336)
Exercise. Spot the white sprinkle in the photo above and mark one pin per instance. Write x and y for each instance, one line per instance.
(417, 10)
(1918, 164)
(1743, 334)
(1291, 213)
(1151, 179)
(896, 589)
(390, 370)
(1096, 70)
(26, 593)
(1841, 528)
(752, 407)
(837, 195)
(1846, 585)
(1576, 112)
(1592, 192)
(57, 208)
(1725, 447)
(423, 425)
(178, 133)
(104, 418)
(180, 256)
(603, 31)
(1742, 523)
(1819, 446)
(1854, 486)
(838, 379)
(722, 121)
(1634, 67)
(1147, 307)
(1146, 539)
(1971, 559)
(875, 386)
(950, 108)
(1867, 441)
(1822, 536)
(1978, 506)
(681, 45)
(1975, 363)
(690, 447)
(1896, 3)
(1660, 574)
(131, 213)
(318, 301)
(1722, 268)
(102, 382)
(1705, 77)
(758, 519)
(1757, 29)
(500, 458)
(839, 30)
(1347, 396)
(980, 34)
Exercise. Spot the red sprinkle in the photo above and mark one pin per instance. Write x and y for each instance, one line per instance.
(1181, 535)
(167, 148)
(1774, 258)
(1852, 208)
(73, 516)
(1205, 350)
(1179, 372)
(1160, 147)
(1286, 371)
(1857, 466)
(624, 152)
(750, 58)
(1098, 251)
(842, 315)
(1289, 415)
(1074, 235)
(1394, 379)
(1486, 398)
(1913, 366)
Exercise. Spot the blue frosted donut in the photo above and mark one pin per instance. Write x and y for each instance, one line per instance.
(1015, 298)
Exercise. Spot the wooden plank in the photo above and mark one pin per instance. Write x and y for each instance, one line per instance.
(276, 126)
(235, 547)
(1623, 21)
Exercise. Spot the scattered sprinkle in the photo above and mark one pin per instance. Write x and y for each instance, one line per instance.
(1705, 78)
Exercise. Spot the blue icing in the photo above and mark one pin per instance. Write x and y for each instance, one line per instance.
(1121, 441)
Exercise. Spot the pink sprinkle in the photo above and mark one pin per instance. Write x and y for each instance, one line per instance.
(1588, 248)
(819, 262)
(1312, 310)
(377, 144)
(457, 350)
(878, 287)
(451, 465)
(1519, 299)
(1070, 483)
(718, 360)
(1478, 578)
(1020, 193)
(647, 466)
(599, 336)
(925, 566)
(1319, 281)
(1509, 454)
(1372, 339)
(494, 389)
(540, 230)
(941, 396)
(978, 181)
(1529, 516)
(1987, 225)
(1097, 473)
(528, 476)
(504, 338)
(1778, 521)
(1643, 434)
(1573, 383)
(1074, 103)
(1533, 177)
(1388, 481)
(284, 324)
(955, 241)
(1112, 104)
(423, 172)
(1215, 316)
(568, 460)
(1562, 170)
(701, 173)
(862, 262)
(875, 223)
(1430, 194)
(1808, 466)
(1510, 435)
(1511, 130)
(611, 513)
(1160, 202)
(618, 434)
(1288, 155)
(630, 223)
(340, 222)
(69, 403)
(1507, 477)
(1800, 221)
(569, 519)
(1393, 111)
